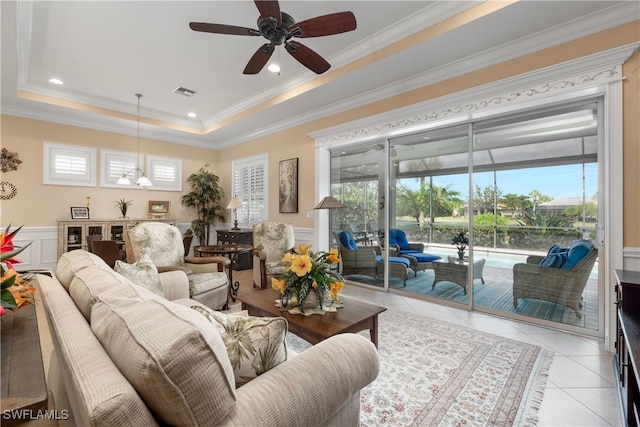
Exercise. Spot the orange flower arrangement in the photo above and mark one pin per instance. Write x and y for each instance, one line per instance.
(16, 291)
(306, 271)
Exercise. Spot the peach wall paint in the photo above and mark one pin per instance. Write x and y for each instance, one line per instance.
(631, 151)
(41, 205)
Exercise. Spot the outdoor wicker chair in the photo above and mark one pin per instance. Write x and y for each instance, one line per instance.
(556, 285)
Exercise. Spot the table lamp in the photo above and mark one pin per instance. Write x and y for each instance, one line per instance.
(235, 204)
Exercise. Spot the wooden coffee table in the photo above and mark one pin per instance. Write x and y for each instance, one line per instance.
(355, 316)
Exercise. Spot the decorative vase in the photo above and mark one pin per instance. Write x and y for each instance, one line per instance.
(313, 299)
(123, 211)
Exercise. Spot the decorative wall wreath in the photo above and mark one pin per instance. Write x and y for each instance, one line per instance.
(7, 190)
(10, 161)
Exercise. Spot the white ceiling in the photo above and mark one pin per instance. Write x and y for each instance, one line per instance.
(106, 51)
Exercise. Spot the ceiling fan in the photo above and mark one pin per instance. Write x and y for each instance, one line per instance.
(279, 28)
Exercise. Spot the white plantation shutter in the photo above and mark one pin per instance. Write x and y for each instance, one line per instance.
(69, 165)
(114, 164)
(250, 186)
(165, 173)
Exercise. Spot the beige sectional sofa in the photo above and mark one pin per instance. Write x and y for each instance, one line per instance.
(126, 356)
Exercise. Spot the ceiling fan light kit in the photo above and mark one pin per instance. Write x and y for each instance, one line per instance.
(279, 28)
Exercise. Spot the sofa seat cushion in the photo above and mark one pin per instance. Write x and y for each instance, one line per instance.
(73, 261)
(173, 356)
(203, 282)
(254, 344)
(143, 273)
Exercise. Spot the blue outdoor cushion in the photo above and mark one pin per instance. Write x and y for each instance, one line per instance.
(422, 257)
(346, 238)
(578, 250)
(555, 260)
(557, 249)
(400, 260)
(398, 237)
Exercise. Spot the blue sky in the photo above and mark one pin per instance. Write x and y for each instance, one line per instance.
(552, 181)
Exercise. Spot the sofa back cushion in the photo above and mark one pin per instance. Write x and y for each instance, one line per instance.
(173, 357)
(72, 262)
(93, 281)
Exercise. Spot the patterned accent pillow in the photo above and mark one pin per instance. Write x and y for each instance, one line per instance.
(143, 273)
(254, 344)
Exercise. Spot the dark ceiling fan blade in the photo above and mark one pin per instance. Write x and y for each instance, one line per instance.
(269, 8)
(259, 59)
(326, 25)
(307, 57)
(223, 29)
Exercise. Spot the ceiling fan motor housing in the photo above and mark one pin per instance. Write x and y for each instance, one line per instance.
(276, 35)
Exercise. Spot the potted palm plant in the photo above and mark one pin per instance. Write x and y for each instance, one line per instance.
(206, 197)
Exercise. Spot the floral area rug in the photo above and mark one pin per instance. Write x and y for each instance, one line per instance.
(435, 373)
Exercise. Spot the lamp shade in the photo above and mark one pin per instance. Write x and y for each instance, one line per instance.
(235, 203)
(124, 180)
(329, 203)
(143, 181)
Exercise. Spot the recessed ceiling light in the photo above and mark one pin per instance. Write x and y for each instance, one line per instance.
(274, 68)
(192, 115)
(56, 81)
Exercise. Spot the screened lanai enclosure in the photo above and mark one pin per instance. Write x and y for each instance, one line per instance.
(515, 186)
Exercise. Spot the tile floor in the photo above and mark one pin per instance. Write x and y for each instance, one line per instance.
(581, 389)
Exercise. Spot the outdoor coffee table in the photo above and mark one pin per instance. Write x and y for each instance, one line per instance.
(355, 316)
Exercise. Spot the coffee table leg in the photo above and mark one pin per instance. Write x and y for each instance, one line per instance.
(373, 332)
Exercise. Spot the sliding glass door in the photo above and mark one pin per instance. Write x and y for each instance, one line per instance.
(474, 202)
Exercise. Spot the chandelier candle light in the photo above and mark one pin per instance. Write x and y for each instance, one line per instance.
(234, 205)
(142, 180)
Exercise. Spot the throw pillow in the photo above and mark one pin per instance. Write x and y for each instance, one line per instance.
(173, 357)
(254, 344)
(555, 260)
(143, 273)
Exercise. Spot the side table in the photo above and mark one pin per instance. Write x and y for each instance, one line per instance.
(23, 380)
(457, 272)
(230, 251)
(243, 236)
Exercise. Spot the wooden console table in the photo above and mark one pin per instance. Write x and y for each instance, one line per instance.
(23, 380)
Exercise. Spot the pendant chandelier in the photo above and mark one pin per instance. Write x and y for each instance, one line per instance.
(142, 180)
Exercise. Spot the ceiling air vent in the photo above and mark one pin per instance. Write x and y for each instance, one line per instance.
(184, 91)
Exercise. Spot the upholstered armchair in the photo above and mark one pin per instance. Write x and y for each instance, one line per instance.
(357, 259)
(560, 285)
(271, 240)
(399, 245)
(208, 283)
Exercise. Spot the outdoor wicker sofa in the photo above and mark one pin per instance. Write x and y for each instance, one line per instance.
(556, 285)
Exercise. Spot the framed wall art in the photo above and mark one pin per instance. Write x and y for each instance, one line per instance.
(288, 186)
(80, 213)
(158, 207)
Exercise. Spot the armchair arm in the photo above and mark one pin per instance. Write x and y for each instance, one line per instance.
(207, 264)
(534, 259)
(417, 245)
(294, 393)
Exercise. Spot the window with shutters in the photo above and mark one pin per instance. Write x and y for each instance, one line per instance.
(165, 173)
(114, 164)
(250, 186)
(69, 165)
